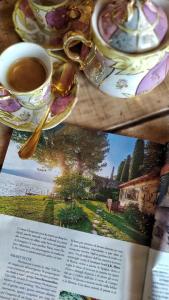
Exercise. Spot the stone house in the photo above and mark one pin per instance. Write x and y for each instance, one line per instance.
(141, 191)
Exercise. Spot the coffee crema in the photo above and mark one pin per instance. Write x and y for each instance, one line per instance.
(26, 74)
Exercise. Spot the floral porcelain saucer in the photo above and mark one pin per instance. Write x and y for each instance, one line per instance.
(14, 115)
(28, 29)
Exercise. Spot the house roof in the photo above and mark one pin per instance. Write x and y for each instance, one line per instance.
(144, 178)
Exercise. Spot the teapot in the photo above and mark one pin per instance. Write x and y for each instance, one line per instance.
(128, 52)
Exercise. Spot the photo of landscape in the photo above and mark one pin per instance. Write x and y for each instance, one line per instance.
(90, 181)
(64, 295)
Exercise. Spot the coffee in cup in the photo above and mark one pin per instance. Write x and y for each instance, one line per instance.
(26, 73)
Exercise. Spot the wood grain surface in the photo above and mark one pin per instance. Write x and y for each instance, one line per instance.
(146, 117)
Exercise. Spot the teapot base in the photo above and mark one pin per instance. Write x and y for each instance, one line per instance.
(109, 79)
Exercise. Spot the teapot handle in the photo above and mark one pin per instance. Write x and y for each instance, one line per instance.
(71, 38)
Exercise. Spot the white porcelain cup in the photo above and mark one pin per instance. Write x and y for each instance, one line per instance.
(38, 97)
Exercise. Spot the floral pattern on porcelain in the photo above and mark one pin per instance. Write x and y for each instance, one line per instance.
(36, 99)
(121, 74)
(53, 20)
(122, 83)
(63, 16)
(25, 8)
(57, 18)
(28, 28)
(123, 78)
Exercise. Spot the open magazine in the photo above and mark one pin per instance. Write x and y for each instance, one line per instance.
(107, 197)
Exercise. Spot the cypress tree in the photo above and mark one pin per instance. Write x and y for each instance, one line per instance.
(125, 172)
(153, 157)
(137, 160)
(120, 169)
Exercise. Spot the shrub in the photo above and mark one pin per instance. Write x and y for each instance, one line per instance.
(48, 215)
(139, 220)
(100, 197)
(71, 215)
(110, 193)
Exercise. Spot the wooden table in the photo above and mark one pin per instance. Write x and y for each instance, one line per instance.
(146, 117)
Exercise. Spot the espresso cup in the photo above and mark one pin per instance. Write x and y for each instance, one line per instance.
(52, 16)
(39, 96)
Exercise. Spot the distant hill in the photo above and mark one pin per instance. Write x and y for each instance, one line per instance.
(40, 176)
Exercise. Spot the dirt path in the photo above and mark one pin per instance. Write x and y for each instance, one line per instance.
(102, 227)
(120, 227)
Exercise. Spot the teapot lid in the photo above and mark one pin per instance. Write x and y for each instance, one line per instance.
(132, 26)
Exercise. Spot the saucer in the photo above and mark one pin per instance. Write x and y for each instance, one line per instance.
(28, 29)
(14, 115)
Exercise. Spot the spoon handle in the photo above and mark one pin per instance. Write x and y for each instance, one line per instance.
(61, 87)
(30, 145)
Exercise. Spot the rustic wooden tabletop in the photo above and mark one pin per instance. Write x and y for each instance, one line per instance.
(146, 117)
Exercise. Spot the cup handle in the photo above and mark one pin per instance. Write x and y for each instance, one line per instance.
(71, 38)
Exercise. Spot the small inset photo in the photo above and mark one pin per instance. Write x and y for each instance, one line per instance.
(64, 295)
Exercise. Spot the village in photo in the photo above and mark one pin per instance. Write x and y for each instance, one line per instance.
(90, 181)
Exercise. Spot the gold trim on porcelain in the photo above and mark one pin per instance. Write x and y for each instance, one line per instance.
(30, 126)
(72, 38)
(48, 7)
(131, 63)
(127, 63)
(136, 32)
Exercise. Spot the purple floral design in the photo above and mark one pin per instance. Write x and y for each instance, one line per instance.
(24, 6)
(58, 18)
(155, 76)
(60, 104)
(9, 105)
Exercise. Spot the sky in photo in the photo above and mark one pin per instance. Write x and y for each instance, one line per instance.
(26, 168)
(120, 148)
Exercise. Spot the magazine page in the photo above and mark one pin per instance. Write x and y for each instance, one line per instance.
(40, 261)
(102, 184)
(157, 278)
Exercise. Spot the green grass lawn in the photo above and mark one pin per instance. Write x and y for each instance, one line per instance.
(44, 209)
(38, 208)
(29, 207)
